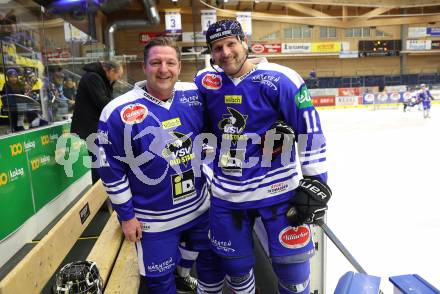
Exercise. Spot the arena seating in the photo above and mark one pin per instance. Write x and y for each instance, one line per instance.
(373, 81)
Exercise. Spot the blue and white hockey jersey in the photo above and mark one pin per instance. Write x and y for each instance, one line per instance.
(242, 109)
(146, 154)
(425, 95)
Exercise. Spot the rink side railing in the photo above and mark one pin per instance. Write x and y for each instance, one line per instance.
(369, 97)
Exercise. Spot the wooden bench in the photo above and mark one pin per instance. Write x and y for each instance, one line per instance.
(116, 258)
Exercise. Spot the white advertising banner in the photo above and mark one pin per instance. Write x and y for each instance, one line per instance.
(324, 92)
(401, 88)
(349, 54)
(347, 100)
(296, 48)
(191, 37)
(418, 44)
(417, 32)
(208, 17)
(245, 19)
(173, 22)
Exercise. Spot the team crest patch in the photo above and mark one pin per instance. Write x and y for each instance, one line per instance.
(179, 149)
(134, 113)
(212, 81)
(295, 237)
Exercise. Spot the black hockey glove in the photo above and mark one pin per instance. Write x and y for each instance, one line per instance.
(283, 129)
(309, 203)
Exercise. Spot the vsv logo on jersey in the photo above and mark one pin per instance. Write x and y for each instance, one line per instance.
(180, 148)
(212, 81)
(134, 113)
(294, 237)
(232, 125)
(183, 186)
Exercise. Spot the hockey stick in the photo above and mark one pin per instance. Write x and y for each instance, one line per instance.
(341, 247)
(292, 211)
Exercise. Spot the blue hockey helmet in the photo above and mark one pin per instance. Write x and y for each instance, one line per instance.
(223, 29)
(12, 72)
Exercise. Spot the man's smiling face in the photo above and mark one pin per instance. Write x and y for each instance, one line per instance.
(162, 70)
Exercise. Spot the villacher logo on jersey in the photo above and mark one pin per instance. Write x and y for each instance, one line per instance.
(294, 237)
(134, 113)
(212, 81)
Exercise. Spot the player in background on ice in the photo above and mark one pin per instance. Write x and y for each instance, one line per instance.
(412, 101)
(426, 97)
(147, 167)
(244, 99)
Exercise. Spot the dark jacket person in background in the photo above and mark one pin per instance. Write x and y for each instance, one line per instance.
(13, 86)
(94, 91)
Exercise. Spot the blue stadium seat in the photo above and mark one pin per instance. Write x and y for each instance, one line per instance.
(357, 283)
(411, 284)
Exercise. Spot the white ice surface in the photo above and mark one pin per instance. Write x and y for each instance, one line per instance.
(384, 170)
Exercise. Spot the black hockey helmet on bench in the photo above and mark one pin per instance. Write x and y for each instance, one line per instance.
(79, 277)
(223, 29)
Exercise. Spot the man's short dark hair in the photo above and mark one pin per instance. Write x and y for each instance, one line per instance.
(162, 41)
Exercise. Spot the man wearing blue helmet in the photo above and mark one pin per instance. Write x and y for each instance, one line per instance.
(425, 96)
(256, 109)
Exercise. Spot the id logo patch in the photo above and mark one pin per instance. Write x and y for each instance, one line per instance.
(183, 186)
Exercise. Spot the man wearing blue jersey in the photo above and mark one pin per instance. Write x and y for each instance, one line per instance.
(425, 96)
(146, 164)
(246, 99)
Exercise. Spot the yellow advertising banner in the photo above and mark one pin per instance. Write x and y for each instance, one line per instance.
(326, 47)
